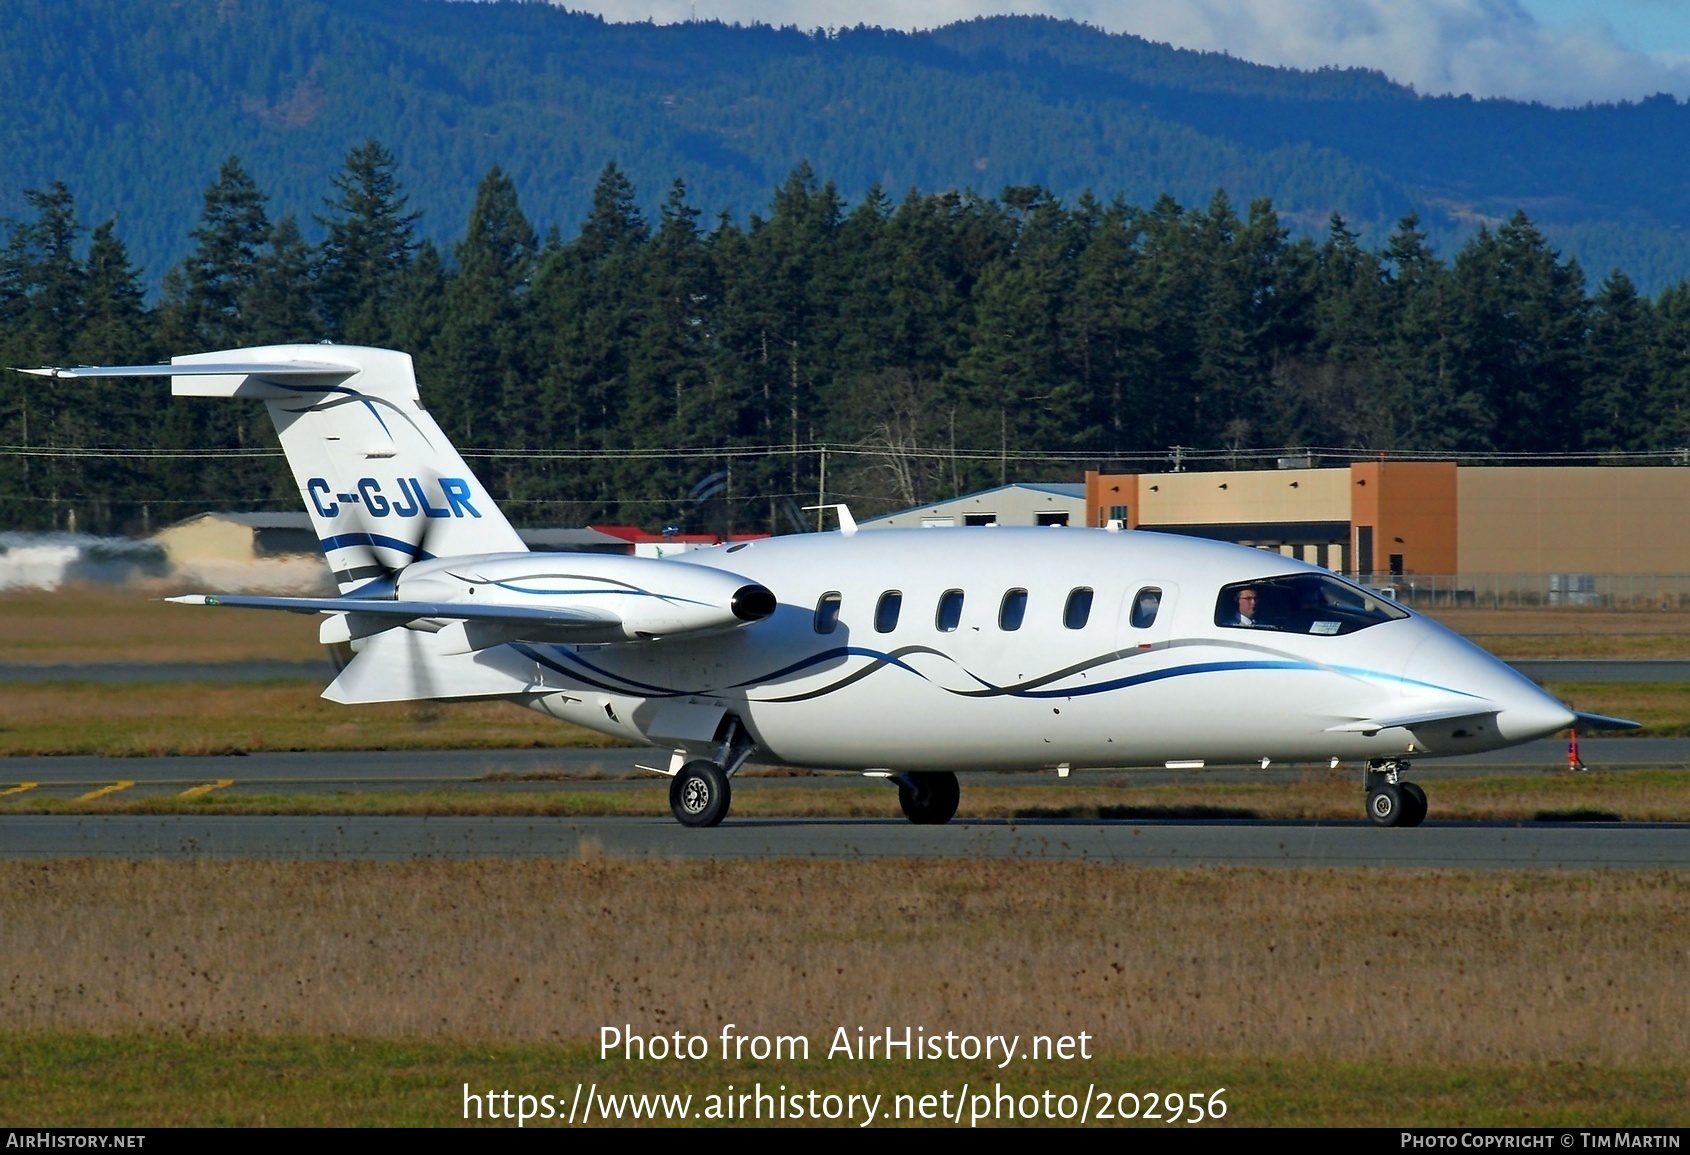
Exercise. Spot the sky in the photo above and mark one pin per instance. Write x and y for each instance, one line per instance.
(1560, 52)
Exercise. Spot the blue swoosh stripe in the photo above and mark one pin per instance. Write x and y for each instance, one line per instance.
(838, 652)
(377, 541)
(628, 591)
(1159, 675)
(890, 660)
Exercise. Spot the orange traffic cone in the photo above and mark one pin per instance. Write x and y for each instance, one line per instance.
(1574, 762)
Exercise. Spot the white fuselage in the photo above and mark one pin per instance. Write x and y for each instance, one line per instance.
(981, 697)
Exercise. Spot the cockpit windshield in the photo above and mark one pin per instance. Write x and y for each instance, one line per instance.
(1304, 603)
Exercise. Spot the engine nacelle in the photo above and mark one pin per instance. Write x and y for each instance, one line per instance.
(634, 598)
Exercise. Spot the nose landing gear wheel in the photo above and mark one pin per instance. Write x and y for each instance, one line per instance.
(1392, 800)
(1413, 803)
(1385, 804)
(699, 795)
(929, 798)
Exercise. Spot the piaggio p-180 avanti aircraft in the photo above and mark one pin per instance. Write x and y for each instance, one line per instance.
(907, 655)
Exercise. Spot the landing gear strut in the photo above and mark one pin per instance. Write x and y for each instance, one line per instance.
(929, 797)
(701, 792)
(1392, 800)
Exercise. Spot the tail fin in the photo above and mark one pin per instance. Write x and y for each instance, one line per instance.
(383, 486)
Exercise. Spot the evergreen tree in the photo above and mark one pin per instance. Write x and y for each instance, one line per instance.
(206, 297)
(1334, 389)
(1619, 408)
(369, 244)
(41, 304)
(279, 304)
(1013, 373)
(43, 279)
(1436, 404)
(1669, 368)
(479, 361)
(115, 328)
(1523, 318)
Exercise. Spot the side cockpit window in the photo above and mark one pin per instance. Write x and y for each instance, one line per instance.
(1303, 604)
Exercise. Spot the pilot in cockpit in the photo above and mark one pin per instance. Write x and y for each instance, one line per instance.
(1246, 615)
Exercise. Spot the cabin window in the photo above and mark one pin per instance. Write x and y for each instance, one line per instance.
(1305, 603)
(827, 613)
(886, 611)
(1078, 610)
(949, 615)
(1145, 604)
(1014, 608)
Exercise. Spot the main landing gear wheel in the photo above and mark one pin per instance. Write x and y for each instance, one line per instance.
(929, 797)
(699, 795)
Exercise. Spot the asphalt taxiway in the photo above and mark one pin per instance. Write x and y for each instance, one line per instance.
(1464, 845)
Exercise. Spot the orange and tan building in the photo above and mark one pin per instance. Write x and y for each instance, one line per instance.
(1382, 519)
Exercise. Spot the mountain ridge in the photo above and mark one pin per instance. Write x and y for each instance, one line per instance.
(133, 103)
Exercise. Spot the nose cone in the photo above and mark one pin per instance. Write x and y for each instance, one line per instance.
(1535, 717)
(1446, 661)
(753, 603)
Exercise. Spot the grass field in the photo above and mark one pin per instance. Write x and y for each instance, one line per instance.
(82, 624)
(56, 1079)
(127, 720)
(354, 992)
(1632, 796)
(1515, 634)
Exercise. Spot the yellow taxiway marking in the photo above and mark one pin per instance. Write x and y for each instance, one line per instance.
(105, 790)
(20, 788)
(196, 791)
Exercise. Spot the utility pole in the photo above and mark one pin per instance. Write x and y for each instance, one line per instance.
(821, 492)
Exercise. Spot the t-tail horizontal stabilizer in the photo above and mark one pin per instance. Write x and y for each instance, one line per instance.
(382, 484)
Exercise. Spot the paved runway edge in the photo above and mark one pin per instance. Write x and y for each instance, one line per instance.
(1476, 845)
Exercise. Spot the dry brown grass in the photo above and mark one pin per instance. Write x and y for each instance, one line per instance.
(1662, 707)
(1426, 966)
(1517, 634)
(224, 718)
(81, 624)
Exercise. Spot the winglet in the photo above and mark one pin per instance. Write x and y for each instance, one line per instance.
(847, 523)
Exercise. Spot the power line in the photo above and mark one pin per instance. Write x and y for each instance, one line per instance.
(1179, 455)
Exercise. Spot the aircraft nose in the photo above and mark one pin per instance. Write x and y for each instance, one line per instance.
(1451, 662)
(1534, 716)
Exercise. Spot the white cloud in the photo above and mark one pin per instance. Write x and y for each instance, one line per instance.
(1482, 47)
